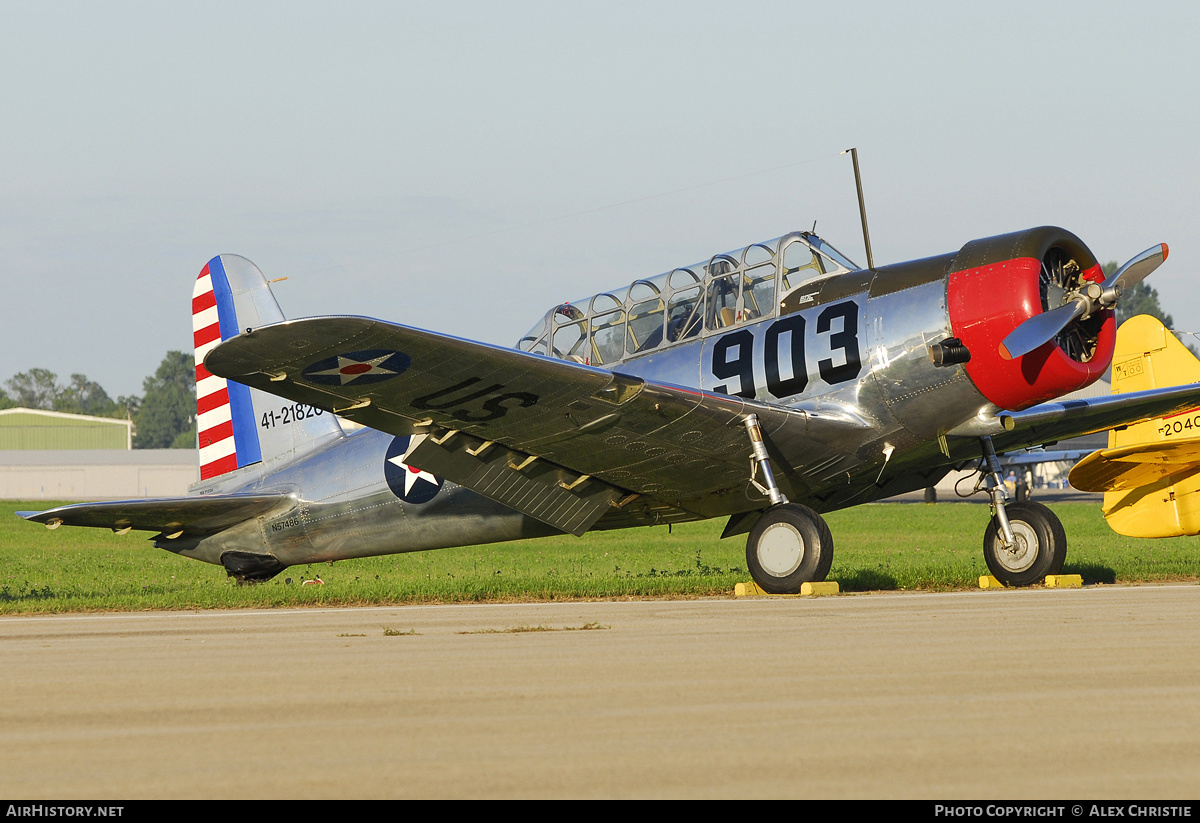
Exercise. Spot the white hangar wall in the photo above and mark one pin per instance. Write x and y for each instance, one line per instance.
(71, 475)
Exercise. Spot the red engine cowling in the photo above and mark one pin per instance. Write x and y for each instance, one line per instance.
(997, 283)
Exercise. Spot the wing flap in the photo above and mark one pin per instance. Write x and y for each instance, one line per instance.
(538, 488)
(198, 515)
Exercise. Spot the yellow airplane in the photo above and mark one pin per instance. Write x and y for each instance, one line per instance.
(1150, 472)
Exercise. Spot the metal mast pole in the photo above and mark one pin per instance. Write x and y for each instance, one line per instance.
(862, 207)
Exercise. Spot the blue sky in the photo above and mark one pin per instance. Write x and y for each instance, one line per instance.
(463, 166)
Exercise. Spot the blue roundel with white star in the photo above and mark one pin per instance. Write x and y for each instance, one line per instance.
(357, 368)
(410, 484)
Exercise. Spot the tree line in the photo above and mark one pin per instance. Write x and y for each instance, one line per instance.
(164, 416)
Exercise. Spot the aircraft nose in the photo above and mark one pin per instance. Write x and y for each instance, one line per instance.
(999, 283)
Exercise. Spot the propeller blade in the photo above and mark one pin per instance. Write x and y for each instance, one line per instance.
(1039, 329)
(1138, 268)
(1042, 328)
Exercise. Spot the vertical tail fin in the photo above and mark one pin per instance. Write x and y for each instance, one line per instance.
(239, 426)
(1148, 356)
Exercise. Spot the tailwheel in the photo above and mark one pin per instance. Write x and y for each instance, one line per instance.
(789, 545)
(1039, 545)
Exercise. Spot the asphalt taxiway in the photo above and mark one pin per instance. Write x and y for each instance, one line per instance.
(1091, 693)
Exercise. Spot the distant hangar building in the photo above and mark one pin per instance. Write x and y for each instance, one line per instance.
(46, 455)
(28, 429)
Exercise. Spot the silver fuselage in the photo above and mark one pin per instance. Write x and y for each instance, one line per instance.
(862, 356)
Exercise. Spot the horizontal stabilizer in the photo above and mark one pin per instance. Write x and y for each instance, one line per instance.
(192, 515)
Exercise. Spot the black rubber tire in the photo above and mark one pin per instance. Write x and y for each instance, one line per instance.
(1041, 541)
(775, 567)
(1060, 539)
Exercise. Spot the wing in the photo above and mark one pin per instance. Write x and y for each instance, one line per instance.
(193, 515)
(1051, 422)
(559, 441)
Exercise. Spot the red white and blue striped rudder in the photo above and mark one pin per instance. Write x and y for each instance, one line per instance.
(230, 296)
(220, 433)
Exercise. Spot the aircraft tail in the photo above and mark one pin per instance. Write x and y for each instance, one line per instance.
(239, 426)
(1150, 472)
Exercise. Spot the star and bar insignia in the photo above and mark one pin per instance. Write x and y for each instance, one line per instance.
(410, 484)
(357, 367)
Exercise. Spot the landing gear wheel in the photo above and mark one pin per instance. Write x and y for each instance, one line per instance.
(1041, 545)
(1021, 492)
(789, 545)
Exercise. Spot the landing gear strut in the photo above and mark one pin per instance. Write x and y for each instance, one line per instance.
(1024, 541)
(790, 545)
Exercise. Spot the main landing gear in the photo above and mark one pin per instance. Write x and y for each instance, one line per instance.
(790, 545)
(1024, 541)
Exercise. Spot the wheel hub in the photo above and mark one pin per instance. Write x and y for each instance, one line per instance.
(1023, 552)
(781, 549)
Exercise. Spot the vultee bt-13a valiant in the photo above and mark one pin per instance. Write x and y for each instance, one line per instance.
(764, 385)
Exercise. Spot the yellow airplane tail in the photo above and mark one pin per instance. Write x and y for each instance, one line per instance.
(1150, 472)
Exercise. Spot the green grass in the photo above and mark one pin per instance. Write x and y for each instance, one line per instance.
(880, 546)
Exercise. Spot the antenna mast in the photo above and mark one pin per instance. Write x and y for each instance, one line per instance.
(862, 208)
